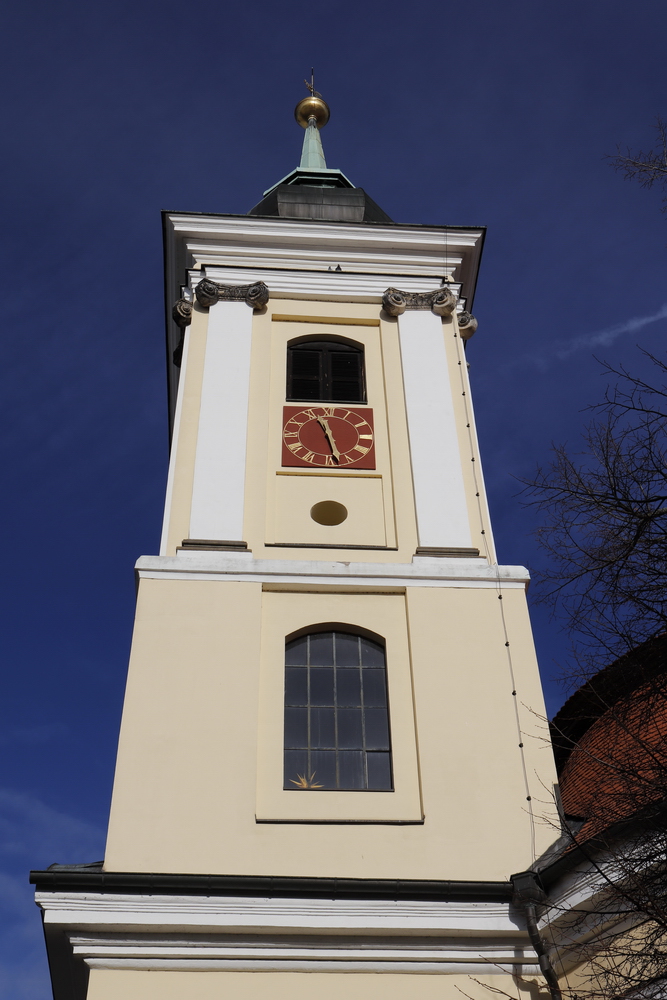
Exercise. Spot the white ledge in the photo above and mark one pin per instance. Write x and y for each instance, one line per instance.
(423, 571)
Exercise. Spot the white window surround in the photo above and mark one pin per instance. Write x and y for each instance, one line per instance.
(385, 615)
(440, 501)
(219, 473)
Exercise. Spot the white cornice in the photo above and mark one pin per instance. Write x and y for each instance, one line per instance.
(239, 913)
(422, 572)
(273, 934)
(264, 230)
(371, 250)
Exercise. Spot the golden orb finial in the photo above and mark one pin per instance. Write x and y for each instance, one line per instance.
(313, 106)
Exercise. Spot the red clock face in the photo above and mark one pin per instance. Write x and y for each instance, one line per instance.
(328, 436)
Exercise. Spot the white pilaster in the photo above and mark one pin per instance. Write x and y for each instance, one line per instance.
(442, 515)
(219, 476)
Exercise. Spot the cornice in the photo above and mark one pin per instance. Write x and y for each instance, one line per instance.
(115, 930)
(422, 572)
(370, 233)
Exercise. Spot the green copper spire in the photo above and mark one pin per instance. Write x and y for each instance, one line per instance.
(312, 154)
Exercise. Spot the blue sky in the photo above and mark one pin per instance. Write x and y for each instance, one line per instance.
(485, 112)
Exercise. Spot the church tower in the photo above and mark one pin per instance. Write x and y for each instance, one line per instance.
(332, 756)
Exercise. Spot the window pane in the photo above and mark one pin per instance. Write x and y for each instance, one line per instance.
(346, 376)
(296, 652)
(321, 686)
(351, 769)
(375, 691)
(377, 729)
(336, 720)
(296, 768)
(296, 727)
(379, 771)
(322, 728)
(347, 650)
(296, 686)
(304, 378)
(372, 655)
(321, 649)
(323, 768)
(349, 729)
(348, 686)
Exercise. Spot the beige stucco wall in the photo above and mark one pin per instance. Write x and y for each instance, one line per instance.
(185, 796)
(106, 984)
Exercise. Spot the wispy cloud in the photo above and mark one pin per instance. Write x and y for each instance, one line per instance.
(605, 337)
(560, 350)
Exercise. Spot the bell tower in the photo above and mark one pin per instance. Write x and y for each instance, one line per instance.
(331, 756)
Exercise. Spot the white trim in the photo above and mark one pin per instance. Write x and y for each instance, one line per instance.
(164, 540)
(395, 967)
(421, 572)
(219, 475)
(321, 284)
(440, 500)
(235, 913)
(210, 933)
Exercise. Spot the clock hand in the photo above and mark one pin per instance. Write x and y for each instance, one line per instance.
(324, 424)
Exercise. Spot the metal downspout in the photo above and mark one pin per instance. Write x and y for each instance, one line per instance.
(527, 895)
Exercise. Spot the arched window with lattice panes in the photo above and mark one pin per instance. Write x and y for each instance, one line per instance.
(336, 713)
(330, 370)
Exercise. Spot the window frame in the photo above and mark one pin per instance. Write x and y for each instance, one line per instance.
(340, 754)
(354, 346)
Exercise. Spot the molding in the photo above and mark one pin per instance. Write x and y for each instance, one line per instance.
(446, 553)
(423, 571)
(322, 285)
(287, 934)
(209, 292)
(64, 882)
(329, 545)
(208, 545)
(442, 302)
(491, 967)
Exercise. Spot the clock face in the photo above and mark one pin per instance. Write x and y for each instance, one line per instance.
(328, 436)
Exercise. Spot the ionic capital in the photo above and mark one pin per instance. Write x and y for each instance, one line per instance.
(209, 292)
(442, 301)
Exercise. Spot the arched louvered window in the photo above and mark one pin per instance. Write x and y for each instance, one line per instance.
(330, 370)
(336, 713)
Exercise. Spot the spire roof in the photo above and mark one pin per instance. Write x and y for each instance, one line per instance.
(312, 154)
(312, 190)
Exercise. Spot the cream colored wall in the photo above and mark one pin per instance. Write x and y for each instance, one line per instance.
(185, 795)
(186, 445)
(478, 511)
(106, 984)
(282, 321)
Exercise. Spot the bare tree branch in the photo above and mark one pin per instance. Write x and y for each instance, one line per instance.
(648, 168)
